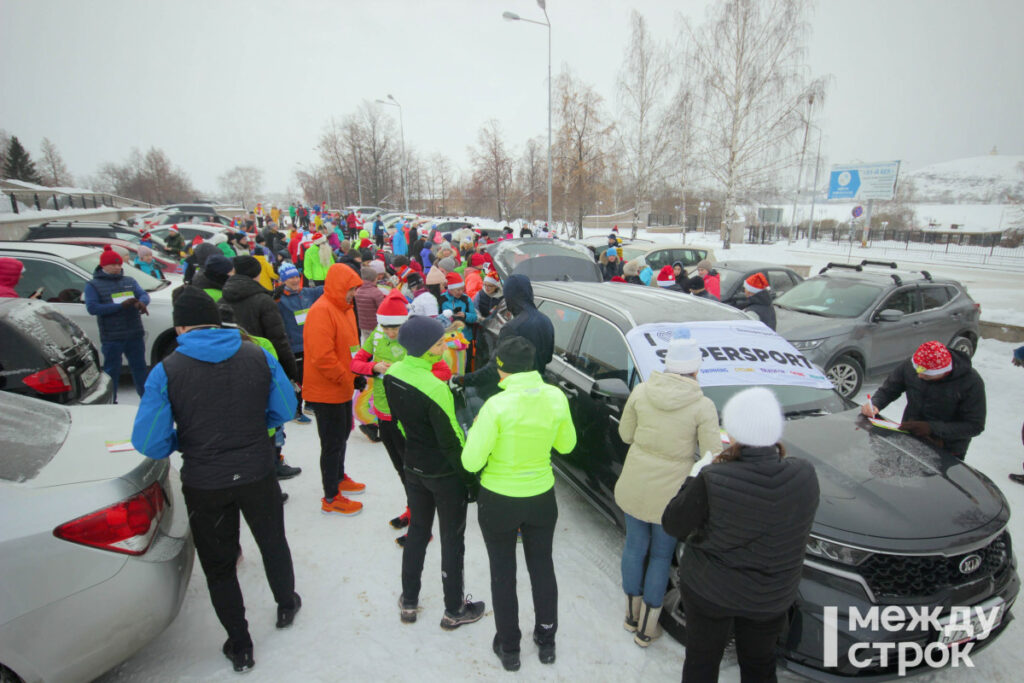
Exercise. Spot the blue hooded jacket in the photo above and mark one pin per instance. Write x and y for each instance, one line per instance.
(154, 434)
(292, 302)
(399, 247)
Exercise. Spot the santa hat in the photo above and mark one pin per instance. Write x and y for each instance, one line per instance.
(755, 283)
(365, 242)
(454, 281)
(197, 240)
(683, 355)
(753, 417)
(173, 228)
(392, 310)
(318, 238)
(932, 359)
(109, 257)
(618, 278)
(146, 236)
(477, 260)
(666, 276)
(492, 278)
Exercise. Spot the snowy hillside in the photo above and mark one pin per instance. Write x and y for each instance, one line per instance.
(984, 179)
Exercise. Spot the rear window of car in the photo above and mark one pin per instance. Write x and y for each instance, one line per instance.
(831, 298)
(934, 297)
(27, 451)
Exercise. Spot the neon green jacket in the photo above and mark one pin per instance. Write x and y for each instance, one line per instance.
(382, 348)
(311, 266)
(512, 437)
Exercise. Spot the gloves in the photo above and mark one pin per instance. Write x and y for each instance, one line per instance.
(141, 306)
(128, 303)
(472, 481)
(359, 383)
(701, 464)
(918, 428)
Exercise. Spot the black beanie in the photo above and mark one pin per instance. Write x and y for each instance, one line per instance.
(247, 265)
(515, 354)
(419, 333)
(218, 264)
(695, 283)
(193, 307)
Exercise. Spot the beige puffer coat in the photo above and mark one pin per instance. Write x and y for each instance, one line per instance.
(670, 424)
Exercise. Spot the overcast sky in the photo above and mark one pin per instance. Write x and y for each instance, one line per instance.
(219, 83)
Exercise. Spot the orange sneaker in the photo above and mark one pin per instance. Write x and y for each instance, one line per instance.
(347, 487)
(340, 505)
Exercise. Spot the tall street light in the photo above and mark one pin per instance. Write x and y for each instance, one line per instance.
(512, 16)
(401, 127)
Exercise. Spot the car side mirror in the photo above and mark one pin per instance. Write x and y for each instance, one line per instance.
(890, 315)
(610, 388)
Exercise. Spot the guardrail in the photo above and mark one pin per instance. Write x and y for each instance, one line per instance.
(62, 200)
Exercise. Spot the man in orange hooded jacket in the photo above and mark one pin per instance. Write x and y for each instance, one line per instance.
(330, 337)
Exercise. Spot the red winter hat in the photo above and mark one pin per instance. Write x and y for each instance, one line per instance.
(477, 260)
(618, 278)
(755, 283)
(666, 276)
(317, 238)
(109, 257)
(454, 281)
(932, 359)
(197, 240)
(365, 242)
(146, 236)
(392, 310)
(173, 228)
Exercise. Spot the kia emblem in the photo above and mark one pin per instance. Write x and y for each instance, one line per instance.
(970, 564)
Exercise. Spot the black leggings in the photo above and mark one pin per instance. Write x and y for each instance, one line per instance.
(213, 517)
(446, 496)
(500, 518)
(333, 424)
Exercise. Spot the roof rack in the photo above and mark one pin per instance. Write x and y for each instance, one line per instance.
(848, 266)
(886, 264)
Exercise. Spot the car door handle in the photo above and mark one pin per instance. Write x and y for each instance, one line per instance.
(568, 388)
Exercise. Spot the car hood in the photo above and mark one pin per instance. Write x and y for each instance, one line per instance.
(796, 326)
(889, 491)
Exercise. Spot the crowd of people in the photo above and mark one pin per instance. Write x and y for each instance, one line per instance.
(281, 317)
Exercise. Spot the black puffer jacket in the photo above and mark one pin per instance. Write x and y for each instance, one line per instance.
(745, 524)
(761, 304)
(954, 406)
(257, 313)
(527, 322)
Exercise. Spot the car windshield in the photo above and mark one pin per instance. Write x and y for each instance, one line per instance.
(830, 297)
(510, 255)
(795, 401)
(90, 261)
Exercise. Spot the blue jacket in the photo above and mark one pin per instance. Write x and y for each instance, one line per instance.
(288, 304)
(115, 323)
(399, 247)
(154, 434)
(150, 268)
(425, 258)
(463, 304)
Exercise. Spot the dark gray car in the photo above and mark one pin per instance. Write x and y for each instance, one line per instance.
(859, 321)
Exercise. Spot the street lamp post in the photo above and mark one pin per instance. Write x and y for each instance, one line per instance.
(512, 16)
(703, 209)
(401, 127)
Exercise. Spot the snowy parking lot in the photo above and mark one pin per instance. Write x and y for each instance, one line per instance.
(347, 569)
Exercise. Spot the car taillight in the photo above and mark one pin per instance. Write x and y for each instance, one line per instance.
(127, 527)
(49, 381)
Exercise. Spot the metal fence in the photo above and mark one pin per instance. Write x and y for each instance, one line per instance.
(56, 200)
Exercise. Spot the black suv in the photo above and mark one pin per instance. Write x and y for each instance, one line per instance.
(899, 523)
(119, 231)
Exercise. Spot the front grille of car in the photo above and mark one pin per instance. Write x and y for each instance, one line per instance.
(899, 576)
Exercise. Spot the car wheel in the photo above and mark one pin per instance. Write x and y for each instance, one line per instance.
(963, 345)
(846, 374)
(8, 676)
(673, 618)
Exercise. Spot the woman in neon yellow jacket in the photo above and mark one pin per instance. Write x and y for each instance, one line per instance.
(510, 445)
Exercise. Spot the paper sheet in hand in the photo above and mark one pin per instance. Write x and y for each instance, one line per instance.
(119, 446)
(886, 424)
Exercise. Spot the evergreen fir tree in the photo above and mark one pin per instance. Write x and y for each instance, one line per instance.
(19, 164)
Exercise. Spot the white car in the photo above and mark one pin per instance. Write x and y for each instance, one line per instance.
(63, 270)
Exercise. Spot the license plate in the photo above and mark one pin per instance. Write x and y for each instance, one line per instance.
(961, 633)
(90, 375)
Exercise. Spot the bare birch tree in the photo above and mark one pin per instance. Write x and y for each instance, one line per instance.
(532, 175)
(582, 130)
(748, 57)
(441, 168)
(242, 184)
(645, 122)
(52, 169)
(492, 163)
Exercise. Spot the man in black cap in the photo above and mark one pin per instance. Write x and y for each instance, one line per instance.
(434, 477)
(695, 285)
(214, 377)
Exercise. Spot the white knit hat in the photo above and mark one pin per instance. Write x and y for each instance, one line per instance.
(683, 355)
(753, 417)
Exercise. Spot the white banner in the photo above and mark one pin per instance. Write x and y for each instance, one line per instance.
(734, 353)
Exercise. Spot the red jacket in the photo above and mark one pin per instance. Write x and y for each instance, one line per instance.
(10, 273)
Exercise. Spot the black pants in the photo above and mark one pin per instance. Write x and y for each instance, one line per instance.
(333, 424)
(500, 517)
(394, 444)
(707, 634)
(298, 379)
(446, 495)
(213, 516)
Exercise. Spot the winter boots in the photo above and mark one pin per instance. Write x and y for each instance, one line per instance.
(647, 628)
(286, 471)
(407, 612)
(467, 614)
(632, 612)
(241, 657)
(509, 660)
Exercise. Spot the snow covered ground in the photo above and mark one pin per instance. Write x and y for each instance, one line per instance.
(348, 569)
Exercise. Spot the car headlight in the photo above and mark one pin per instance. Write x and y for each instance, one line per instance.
(836, 552)
(807, 345)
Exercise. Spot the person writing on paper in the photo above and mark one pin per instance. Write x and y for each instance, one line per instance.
(945, 398)
(746, 517)
(668, 423)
